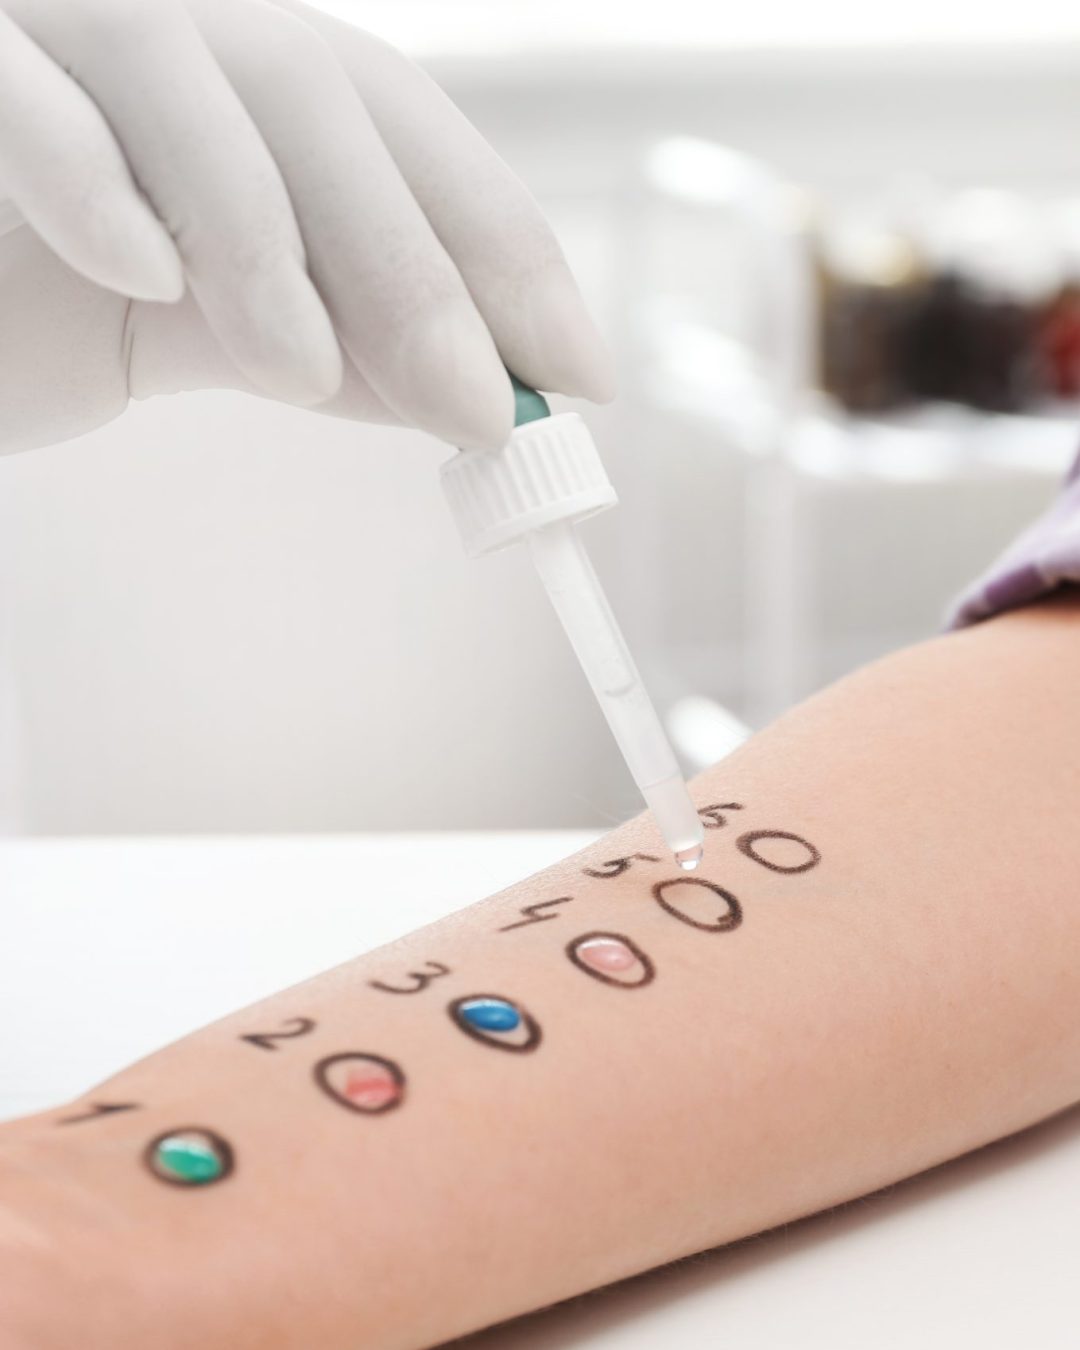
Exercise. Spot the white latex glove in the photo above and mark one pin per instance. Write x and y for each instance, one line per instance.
(248, 194)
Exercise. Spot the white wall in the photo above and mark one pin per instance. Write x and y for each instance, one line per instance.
(230, 616)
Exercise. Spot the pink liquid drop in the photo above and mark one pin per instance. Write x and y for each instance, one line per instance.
(369, 1090)
(607, 955)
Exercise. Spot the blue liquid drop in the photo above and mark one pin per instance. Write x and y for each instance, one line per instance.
(490, 1014)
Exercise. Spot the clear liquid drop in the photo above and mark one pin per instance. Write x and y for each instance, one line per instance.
(688, 858)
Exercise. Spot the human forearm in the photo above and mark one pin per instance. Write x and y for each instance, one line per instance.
(905, 997)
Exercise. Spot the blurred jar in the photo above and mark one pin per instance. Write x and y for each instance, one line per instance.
(1060, 322)
(1060, 341)
(976, 335)
(870, 280)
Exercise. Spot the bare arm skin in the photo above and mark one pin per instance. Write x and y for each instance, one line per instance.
(776, 1041)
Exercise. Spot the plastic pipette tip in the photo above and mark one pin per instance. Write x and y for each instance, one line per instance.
(688, 858)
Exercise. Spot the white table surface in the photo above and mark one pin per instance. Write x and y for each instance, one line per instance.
(981, 1253)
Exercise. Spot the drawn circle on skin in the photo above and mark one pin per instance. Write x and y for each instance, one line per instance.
(746, 843)
(495, 1020)
(189, 1156)
(724, 923)
(612, 958)
(361, 1082)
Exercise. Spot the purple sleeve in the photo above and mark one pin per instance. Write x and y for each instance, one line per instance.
(1044, 557)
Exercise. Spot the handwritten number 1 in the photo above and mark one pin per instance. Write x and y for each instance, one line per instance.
(96, 1110)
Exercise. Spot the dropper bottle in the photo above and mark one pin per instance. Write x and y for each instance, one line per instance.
(545, 480)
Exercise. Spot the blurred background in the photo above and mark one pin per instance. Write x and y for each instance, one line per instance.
(837, 251)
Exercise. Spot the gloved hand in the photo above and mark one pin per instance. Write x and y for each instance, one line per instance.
(248, 194)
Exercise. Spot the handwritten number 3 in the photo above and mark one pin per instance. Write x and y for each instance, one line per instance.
(421, 979)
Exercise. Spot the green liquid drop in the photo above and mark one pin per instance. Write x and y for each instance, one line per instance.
(189, 1161)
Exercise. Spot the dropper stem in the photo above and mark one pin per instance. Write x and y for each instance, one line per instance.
(582, 607)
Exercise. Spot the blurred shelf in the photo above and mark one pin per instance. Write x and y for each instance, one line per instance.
(934, 443)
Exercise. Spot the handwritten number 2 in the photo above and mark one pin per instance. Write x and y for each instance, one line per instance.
(267, 1040)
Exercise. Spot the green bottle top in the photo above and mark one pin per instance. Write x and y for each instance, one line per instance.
(529, 406)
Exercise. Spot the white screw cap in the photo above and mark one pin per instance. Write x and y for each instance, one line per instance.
(548, 471)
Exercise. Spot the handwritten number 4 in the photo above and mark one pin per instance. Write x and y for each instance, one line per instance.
(535, 913)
